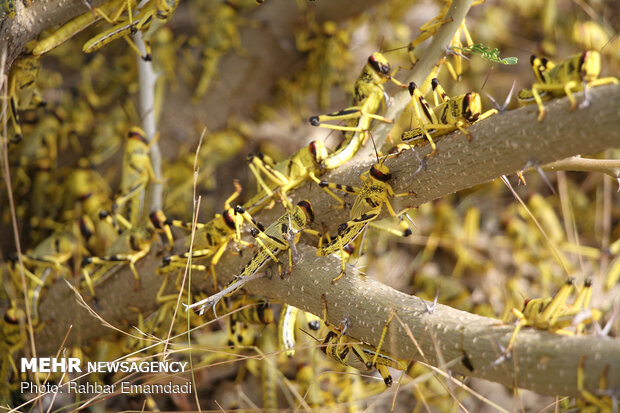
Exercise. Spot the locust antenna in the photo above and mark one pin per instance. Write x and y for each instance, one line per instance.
(374, 146)
(310, 335)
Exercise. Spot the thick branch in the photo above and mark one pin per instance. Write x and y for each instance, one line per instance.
(501, 145)
(29, 22)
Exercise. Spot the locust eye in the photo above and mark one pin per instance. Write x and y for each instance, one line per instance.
(86, 228)
(305, 205)
(312, 148)
(466, 101)
(137, 133)
(229, 219)
(317, 154)
(10, 317)
(378, 66)
(466, 109)
(380, 175)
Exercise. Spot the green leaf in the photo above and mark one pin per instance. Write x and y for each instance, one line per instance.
(487, 53)
(510, 60)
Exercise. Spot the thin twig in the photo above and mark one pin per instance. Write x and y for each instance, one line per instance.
(212, 300)
(610, 167)
(148, 78)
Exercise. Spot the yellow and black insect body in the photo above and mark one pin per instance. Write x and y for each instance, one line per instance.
(362, 357)
(287, 324)
(452, 114)
(132, 244)
(136, 173)
(458, 112)
(210, 240)
(249, 312)
(375, 192)
(150, 18)
(579, 72)
(55, 252)
(286, 175)
(85, 191)
(368, 100)
(22, 91)
(555, 315)
(81, 22)
(8, 8)
(277, 237)
(540, 66)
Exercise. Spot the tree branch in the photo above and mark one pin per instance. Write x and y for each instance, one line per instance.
(435, 51)
(41, 15)
(501, 145)
(610, 167)
(147, 78)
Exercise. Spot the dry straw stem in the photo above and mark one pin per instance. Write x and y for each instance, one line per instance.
(543, 362)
